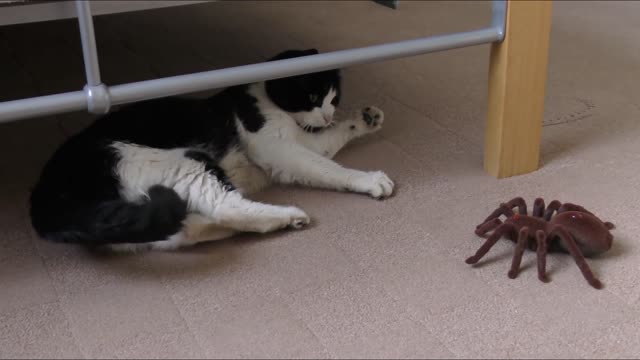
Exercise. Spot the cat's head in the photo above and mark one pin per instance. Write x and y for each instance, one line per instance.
(311, 99)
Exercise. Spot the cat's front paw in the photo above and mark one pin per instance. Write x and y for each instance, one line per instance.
(375, 183)
(366, 121)
(373, 118)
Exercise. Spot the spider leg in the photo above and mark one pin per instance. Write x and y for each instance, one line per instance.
(542, 255)
(504, 209)
(520, 203)
(491, 240)
(488, 226)
(573, 249)
(517, 256)
(538, 208)
(551, 208)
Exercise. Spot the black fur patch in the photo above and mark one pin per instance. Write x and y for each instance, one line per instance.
(237, 101)
(293, 94)
(171, 123)
(77, 200)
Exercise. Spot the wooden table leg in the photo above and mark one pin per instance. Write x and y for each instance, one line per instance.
(517, 79)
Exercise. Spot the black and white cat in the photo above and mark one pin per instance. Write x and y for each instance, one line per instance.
(173, 172)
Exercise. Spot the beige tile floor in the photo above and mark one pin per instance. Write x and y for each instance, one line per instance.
(368, 279)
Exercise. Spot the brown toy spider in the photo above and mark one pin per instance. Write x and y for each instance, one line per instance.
(573, 229)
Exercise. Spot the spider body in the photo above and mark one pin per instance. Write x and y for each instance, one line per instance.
(573, 230)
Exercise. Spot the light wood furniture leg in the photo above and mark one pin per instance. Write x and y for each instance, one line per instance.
(517, 78)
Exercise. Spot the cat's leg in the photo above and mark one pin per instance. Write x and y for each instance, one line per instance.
(291, 163)
(231, 210)
(196, 229)
(237, 214)
(234, 215)
(197, 179)
(242, 214)
(328, 142)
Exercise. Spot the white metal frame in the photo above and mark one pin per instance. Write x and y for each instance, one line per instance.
(98, 98)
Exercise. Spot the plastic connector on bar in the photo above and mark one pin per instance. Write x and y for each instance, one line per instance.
(98, 99)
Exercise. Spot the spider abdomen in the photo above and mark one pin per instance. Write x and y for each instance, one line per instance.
(591, 234)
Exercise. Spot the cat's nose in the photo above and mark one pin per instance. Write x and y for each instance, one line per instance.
(327, 118)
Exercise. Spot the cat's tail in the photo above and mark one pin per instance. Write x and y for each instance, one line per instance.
(115, 221)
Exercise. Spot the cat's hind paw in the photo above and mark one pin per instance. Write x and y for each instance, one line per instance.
(373, 118)
(298, 219)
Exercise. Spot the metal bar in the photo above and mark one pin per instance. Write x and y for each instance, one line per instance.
(88, 39)
(183, 84)
(42, 105)
(97, 93)
(499, 17)
(174, 85)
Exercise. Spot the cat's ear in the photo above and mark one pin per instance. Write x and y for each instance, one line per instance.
(289, 54)
(311, 52)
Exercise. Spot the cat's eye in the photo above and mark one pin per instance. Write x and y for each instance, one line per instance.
(313, 98)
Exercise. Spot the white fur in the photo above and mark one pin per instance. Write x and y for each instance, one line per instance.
(141, 167)
(280, 151)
